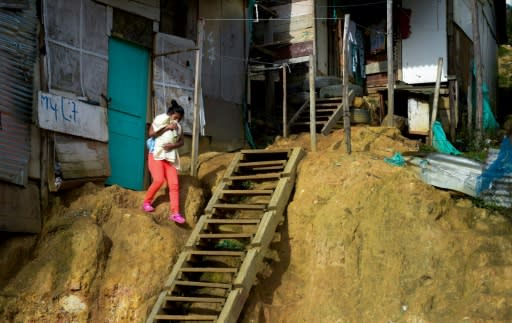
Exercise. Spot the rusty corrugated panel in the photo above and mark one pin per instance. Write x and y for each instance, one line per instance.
(17, 56)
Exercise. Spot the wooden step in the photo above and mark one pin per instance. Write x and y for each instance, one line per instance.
(264, 151)
(208, 270)
(225, 235)
(192, 317)
(247, 192)
(262, 163)
(241, 206)
(307, 123)
(254, 177)
(190, 299)
(232, 221)
(327, 104)
(339, 98)
(202, 284)
(216, 253)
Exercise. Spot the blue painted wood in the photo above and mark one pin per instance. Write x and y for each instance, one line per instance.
(128, 73)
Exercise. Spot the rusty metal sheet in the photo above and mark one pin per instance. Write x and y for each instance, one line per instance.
(17, 57)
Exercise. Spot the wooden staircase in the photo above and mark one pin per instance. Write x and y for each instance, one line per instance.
(213, 275)
(329, 112)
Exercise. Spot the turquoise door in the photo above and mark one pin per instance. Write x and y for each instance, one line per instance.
(128, 69)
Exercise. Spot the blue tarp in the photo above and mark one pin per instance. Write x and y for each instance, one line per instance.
(501, 167)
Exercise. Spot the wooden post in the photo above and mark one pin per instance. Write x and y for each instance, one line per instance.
(285, 109)
(478, 64)
(436, 98)
(312, 102)
(339, 31)
(391, 75)
(452, 84)
(346, 103)
(197, 95)
(470, 101)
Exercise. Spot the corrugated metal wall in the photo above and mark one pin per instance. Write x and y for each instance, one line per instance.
(17, 57)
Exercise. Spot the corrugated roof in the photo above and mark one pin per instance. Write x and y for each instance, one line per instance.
(17, 56)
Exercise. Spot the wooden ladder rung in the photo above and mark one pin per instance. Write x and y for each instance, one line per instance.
(232, 221)
(216, 253)
(333, 104)
(193, 317)
(247, 192)
(195, 299)
(202, 284)
(241, 206)
(225, 235)
(208, 270)
(253, 177)
(264, 151)
(308, 123)
(262, 163)
(338, 98)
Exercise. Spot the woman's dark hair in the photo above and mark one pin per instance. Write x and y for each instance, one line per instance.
(175, 108)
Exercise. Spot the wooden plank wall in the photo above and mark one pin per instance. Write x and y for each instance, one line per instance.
(81, 158)
(299, 27)
(223, 71)
(20, 210)
(145, 8)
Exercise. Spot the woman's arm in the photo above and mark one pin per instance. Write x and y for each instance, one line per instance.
(154, 134)
(178, 144)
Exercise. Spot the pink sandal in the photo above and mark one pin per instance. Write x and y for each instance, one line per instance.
(176, 217)
(147, 207)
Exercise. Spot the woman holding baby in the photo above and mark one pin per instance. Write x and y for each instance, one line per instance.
(165, 137)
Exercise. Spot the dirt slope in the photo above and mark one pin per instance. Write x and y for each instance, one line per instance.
(364, 241)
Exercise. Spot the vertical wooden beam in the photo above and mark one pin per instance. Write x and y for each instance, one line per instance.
(44, 170)
(470, 101)
(270, 94)
(346, 100)
(436, 97)
(478, 64)
(452, 83)
(285, 108)
(312, 102)
(197, 95)
(391, 75)
(339, 31)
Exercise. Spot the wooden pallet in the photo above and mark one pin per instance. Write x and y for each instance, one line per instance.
(213, 275)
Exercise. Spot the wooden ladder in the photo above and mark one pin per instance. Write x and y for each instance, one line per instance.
(213, 275)
(328, 112)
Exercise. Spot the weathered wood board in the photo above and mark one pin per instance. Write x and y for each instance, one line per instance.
(71, 116)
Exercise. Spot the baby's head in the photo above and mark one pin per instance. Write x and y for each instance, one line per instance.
(175, 111)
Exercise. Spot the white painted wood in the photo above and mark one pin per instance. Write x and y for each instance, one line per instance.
(418, 115)
(66, 115)
(428, 40)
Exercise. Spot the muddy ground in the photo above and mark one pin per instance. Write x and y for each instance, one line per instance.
(363, 241)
